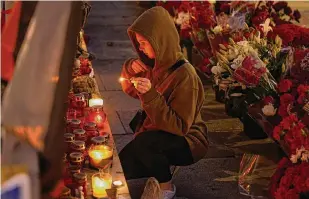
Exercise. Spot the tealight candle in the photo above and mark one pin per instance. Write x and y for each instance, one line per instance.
(95, 102)
(101, 182)
(100, 156)
(117, 183)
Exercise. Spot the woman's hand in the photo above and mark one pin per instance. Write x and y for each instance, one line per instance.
(142, 85)
(138, 66)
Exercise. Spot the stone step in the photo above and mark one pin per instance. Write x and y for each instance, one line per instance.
(104, 32)
(111, 50)
(111, 20)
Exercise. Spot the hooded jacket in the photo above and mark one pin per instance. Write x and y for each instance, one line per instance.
(174, 102)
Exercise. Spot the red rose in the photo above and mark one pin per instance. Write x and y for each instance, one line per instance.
(292, 194)
(283, 111)
(301, 89)
(185, 33)
(277, 132)
(286, 99)
(284, 85)
(305, 119)
(225, 7)
(268, 100)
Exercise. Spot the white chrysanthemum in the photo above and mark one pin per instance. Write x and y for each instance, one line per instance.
(269, 110)
(237, 62)
(217, 70)
(217, 29)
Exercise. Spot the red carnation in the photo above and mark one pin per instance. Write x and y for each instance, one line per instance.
(225, 7)
(284, 85)
(268, 100)
(286, 99)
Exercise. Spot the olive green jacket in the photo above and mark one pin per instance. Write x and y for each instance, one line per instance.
(174, 102)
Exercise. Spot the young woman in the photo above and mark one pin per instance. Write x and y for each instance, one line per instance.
(171, 130)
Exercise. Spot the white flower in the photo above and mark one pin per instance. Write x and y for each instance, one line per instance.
(269, 110)
(294, 159)
(217, 70)
(301, 154)
(266, 27)
(77, 63)
(243, 43)
(237, 62)
(232, 54)
(182, 18)
(217, 29)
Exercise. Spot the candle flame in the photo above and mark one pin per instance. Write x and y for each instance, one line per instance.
(121, 79)
(117, 183)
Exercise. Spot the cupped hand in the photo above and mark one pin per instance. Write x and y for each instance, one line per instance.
(142, 85)
(138, 66)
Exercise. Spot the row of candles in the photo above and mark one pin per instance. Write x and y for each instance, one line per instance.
(87, 145)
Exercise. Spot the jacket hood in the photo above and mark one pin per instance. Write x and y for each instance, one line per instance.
(157, 26)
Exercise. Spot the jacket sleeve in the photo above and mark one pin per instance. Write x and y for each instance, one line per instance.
(127, 72)
(177, 116)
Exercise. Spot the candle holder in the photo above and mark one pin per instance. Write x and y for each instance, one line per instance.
(71, 113)
(80, 134)
(87, 97)
(78, 146)
(74, 124)
(97, 115)
(100, 183)
(80, 184)
(101, 156)
(68, 139)
(76, 159)
(91, 131)
(79, 103)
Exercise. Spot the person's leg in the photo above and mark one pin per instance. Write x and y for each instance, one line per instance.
(131, 166)
(159, 150)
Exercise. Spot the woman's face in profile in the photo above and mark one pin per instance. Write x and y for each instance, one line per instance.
(145, 46)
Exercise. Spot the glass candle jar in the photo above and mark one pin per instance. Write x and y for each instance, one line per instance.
(91, 131)
(80, 184)
(71, 113)
(68, 140)
(80, 134)
(79, 104)
(100, 156)
(66, 193)
(74, 124)
(99, 140)
(72, 169)
(100, 182)
(76, 158)
(87, 97)
(78, 146)
(97, 115)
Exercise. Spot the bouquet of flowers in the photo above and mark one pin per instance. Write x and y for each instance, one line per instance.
(290, 181)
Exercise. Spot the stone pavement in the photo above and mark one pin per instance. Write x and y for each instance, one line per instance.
(213, 177)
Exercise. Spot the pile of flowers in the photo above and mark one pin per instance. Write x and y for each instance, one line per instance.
(290, 181)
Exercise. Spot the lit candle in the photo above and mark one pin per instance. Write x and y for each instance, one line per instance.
(100, 155)
(117, 183)
(101, 182)
(95, 102)
(121, 79)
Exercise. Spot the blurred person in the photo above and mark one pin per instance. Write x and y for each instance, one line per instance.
(169, 130)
